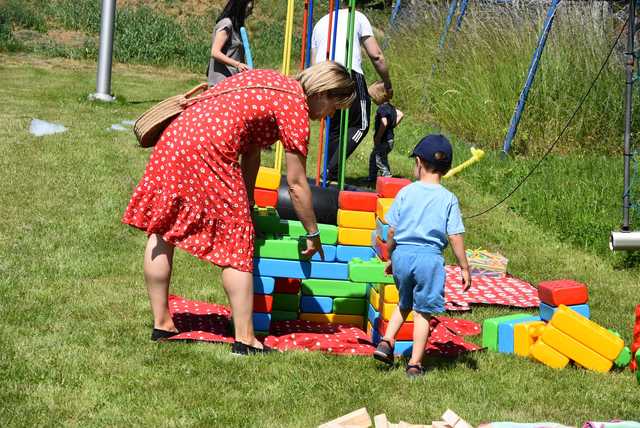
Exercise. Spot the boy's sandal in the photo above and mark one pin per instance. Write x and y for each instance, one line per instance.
(414, 371)
(384, 352)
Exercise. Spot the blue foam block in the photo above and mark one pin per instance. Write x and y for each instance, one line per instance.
(300, 270)
(505, 333)
(261, 321)
(316, 304)
(373, 316)
(347, 252)
(263, 284)
(329, 254)
(547, 311)
(382, 230)
(403, 347)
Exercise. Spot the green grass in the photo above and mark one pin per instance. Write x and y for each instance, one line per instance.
(75, 316)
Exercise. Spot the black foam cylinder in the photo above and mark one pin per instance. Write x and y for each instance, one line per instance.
(325, 202)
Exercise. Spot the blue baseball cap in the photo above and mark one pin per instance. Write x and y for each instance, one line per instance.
(427, 148)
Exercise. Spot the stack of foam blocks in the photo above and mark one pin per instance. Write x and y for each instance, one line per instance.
(383, 294)
(562, 333)
(266, 190)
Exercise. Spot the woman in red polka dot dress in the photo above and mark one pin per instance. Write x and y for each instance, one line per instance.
(197, 190)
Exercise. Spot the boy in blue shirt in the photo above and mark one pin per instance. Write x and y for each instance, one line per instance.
(422, 218)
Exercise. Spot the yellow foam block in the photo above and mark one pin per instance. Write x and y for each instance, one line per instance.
(390, 293)
(387, 311)
(547, 355)
(357, 219)
(334, 318)
(525, 335)
(268, 178)
(383, 206)
(374, 299)
(568, 346)
(587, 332)
(351, 236)
(369, 329)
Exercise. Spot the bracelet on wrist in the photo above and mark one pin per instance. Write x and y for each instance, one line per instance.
(312, 235)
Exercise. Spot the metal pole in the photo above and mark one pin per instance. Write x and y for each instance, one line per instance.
(533, 68)
(105, 54)
(463, 11)
(628, 109)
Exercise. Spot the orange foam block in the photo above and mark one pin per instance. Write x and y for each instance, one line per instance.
(405, 332)
(262, 303)
(356, 219)
(383, 207)
(265, 198)
(388, 187)
(268, 178)
(563, 292)
(357, 201)
(381, 249)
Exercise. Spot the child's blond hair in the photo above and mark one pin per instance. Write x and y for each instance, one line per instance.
(378, 93)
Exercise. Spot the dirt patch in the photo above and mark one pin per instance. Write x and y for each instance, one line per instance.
(177, 7)
(73, 39)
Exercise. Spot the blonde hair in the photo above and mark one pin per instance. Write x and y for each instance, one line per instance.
(329, 77)
(377, 92)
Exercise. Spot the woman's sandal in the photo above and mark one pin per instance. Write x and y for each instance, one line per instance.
(239, 348)
(158, 335)
(384, 352)
(414, 371)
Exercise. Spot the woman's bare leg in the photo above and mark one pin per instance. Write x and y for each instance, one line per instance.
(158, 262)
(239, 288)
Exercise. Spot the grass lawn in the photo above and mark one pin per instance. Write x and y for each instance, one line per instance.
(76, 321)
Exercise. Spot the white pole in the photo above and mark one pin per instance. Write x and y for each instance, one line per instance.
(103, 81)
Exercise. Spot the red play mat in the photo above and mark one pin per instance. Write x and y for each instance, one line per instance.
(210, 322)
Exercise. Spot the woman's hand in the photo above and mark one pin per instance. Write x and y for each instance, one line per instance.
(242, 66)
(313, 246)
(466, 279)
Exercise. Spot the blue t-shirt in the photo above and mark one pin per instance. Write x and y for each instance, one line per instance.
(425, 214)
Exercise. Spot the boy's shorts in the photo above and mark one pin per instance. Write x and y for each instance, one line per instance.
(419, 274)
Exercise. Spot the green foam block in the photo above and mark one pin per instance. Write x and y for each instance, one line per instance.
(266, 220)
(287, 249)
(490, 329)
(638, 363)
(286, 302)
(283, 316)
(349, 306)
(333, 288)
(295, 229)
(369, 271)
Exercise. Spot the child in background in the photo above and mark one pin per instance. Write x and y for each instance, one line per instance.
(386, 120)
(422, 218)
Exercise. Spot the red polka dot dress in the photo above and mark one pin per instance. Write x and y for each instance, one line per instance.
(192, 192)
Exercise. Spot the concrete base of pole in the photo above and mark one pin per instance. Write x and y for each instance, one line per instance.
(102, 97)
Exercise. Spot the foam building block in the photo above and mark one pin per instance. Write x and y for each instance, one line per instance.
(324, 287)
(289, 249)
(316, 304)
(283, 316)
(563, 292)
(356, 219)
(356, 320)
(526, 334)
(405, 332)
(388, 187)
(390, 293)
(547, 355)
(381, 249)
(265, 198)
(352, 236)
(637, 360)
(349, 306)
(287, 285)
(261, 321)
(490, 329)
(387, 309)
(587, 332)
(263, 284)
(403, 348)
(373, 317)
(262, 303)
(369, 271)
(374, 299)
(382, 230)
(266, 220)
(268, 178)
(286, 302)
(575, 350)
(357, 201)
(300, 269)
(294, 229)
(506, 334)
(346, 253)
(547, 311)
(624, 358)
(383, 207)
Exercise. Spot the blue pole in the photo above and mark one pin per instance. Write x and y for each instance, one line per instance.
(327, 127)
(533, 68)
(247, 48)
(394, 12)
(447, 24)
(463, 11)
(307, 56)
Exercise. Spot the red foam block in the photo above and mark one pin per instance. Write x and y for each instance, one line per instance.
(287, 285)
(265, 198)
(388, 187)
(358, 201)
(381, 249)
(563, 292)
(262, 303)
(405, 332)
